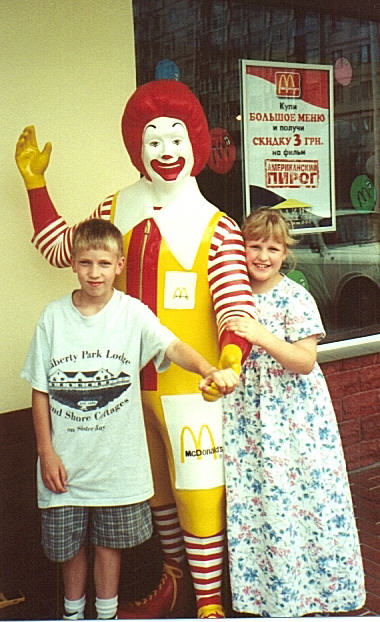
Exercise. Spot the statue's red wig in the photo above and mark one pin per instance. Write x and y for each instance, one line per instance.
(165, 98)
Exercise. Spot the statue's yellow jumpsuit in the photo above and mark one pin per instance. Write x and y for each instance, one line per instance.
(201, 512)
(184, 431)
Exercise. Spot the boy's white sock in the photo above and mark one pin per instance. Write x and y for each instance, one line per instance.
(74, 609)
(106, 608)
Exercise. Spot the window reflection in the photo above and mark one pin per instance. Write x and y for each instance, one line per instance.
(206, 41)
(342, 269)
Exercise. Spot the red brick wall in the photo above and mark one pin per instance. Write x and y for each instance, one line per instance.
(354, 386)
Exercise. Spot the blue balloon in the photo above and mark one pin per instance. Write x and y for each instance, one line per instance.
(166, 70)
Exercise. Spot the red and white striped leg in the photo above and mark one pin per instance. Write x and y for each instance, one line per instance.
(205, 557)
(170, 532)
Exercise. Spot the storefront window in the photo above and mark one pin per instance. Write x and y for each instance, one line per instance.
(201, 42)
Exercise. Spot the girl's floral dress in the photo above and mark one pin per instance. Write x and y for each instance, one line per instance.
(292, 538)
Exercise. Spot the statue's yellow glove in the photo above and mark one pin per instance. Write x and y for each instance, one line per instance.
(231, 356)
(32, 162)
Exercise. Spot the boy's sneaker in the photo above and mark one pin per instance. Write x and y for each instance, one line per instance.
(72, 616)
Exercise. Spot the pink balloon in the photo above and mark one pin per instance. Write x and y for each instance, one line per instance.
(343, 71)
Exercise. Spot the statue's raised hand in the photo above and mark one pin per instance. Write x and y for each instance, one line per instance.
(32, 162)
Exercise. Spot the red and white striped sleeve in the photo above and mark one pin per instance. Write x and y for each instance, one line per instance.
(228, 277)
(52, 235)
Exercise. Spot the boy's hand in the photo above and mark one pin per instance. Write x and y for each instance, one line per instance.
(53, 472)
(218, 382)
(32, 162)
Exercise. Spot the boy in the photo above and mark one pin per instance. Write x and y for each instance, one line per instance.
(83, 365)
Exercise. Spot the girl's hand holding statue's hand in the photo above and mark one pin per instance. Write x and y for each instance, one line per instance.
(31, 162)
(298, 357)
(248, 328)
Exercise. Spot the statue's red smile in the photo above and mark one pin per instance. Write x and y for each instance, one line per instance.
(168, 170)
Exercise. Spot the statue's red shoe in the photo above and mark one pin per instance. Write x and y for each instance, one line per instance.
(161, 602)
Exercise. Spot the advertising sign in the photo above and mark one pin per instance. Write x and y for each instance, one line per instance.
(288, 142)
(195, 431)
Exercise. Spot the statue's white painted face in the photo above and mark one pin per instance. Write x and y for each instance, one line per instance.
(167, 153)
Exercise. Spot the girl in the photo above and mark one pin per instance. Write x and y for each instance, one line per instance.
(293, 543)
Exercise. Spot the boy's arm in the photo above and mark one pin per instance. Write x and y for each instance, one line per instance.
(223, 380)
(53, 472)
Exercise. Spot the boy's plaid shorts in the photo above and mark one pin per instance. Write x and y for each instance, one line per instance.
(66, 529)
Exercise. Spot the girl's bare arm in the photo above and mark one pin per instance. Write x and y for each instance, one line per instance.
(298, 357)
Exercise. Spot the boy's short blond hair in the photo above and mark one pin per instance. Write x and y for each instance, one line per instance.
(97, 234)
(267, 222)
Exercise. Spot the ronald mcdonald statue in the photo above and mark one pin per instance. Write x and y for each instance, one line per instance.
(186, 261)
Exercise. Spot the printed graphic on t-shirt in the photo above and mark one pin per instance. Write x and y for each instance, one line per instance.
(87, 390)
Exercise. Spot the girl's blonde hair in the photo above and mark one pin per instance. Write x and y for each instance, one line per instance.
(97, 233)
(266, 222)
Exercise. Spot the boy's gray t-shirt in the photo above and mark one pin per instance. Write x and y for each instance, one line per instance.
(90, 366)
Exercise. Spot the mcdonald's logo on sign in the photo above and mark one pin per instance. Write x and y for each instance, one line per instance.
(181, 292)
(180, 288)
(288, 84)
(198, 450)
